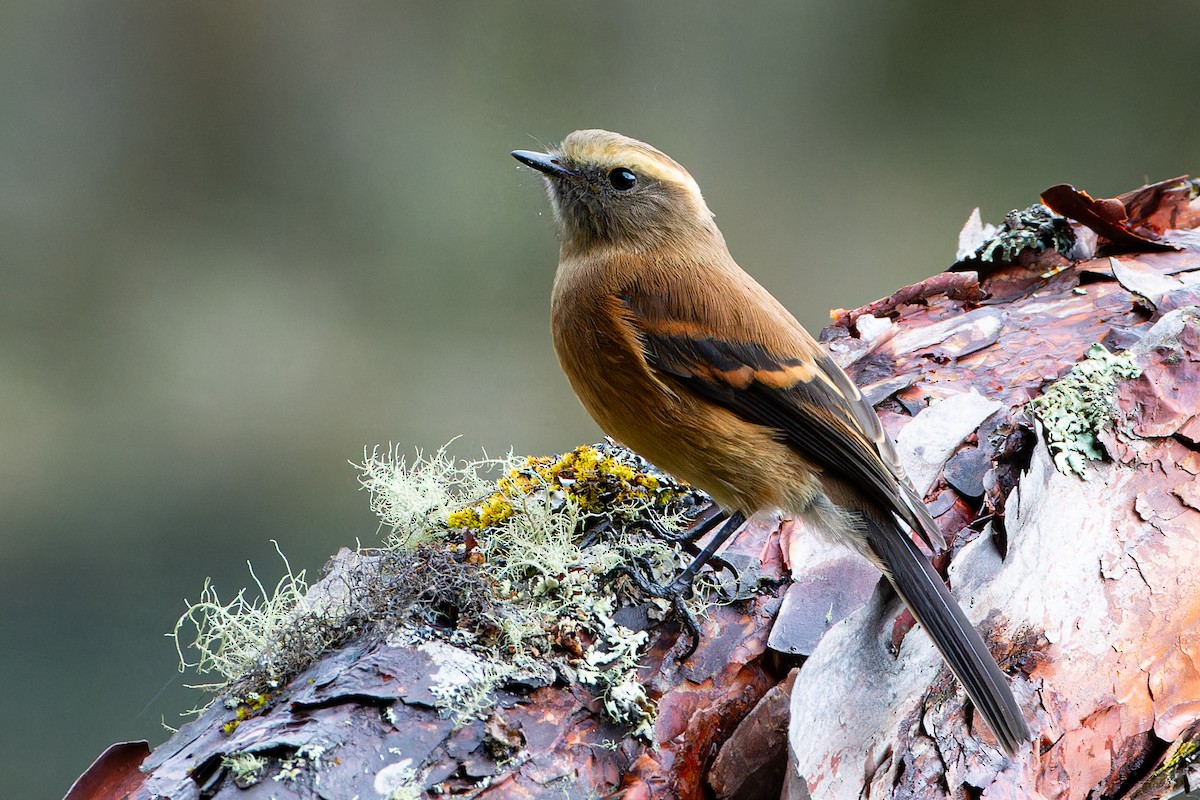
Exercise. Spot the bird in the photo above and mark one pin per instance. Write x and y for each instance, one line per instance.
(682, 356)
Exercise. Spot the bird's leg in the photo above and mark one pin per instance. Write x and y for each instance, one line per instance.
(638, 571)
(705, 521)
(683, 582)
(595, 533)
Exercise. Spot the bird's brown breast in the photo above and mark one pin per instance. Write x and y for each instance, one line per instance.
(741, 464)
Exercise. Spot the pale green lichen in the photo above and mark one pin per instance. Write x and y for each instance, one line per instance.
(1075, 408)
(240, 636)
(306, 759)
(406, 786)
(611, 666)
(416, 500)
(509, 568)
(468, 692)
(246, 769)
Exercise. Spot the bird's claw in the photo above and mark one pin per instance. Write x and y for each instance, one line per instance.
(679, 590)
(676, 593)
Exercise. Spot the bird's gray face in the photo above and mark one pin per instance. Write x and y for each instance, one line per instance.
(617, 195)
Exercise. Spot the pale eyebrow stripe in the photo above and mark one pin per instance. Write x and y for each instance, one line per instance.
(610, 154)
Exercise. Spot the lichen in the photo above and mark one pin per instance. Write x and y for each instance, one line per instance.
(611, 667)
(1036, 228)
(1075, 408)
(242, 635)
(415, 500)
(306, 760)
(466, 685)
(509, 569)
(406, 786)
(246, 769)
(244, 708)
(596, 481)
(1184, 755)
(1169, 778)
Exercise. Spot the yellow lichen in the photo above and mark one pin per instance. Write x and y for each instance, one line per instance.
(592, 479)
(492, 511)
(246, 707)
(1182, 756)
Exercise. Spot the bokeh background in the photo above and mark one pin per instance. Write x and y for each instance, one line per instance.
(241, 241)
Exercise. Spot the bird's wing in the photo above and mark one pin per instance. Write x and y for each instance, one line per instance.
(868, 422)
(804, 395)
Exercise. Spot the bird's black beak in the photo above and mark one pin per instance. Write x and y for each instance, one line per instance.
(543, 162)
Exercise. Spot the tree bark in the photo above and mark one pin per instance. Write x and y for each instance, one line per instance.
(1086, 588)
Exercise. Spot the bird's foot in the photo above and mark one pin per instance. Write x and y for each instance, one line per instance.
(640, 572)
(677, 593)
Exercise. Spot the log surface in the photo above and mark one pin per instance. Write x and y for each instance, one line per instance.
(1085, 587)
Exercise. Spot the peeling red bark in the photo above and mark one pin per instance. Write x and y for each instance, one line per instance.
(1082, 587)
(1095, 605)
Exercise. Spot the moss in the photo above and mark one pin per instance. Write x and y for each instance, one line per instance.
(1075, 408)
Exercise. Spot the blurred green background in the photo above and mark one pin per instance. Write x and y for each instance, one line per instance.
(241, 241)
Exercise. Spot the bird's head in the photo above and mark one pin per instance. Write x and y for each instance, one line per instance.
(609, 189)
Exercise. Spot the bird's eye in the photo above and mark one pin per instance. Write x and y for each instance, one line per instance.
(622, 179)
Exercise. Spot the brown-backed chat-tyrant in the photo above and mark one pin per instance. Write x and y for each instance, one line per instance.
(680, 355)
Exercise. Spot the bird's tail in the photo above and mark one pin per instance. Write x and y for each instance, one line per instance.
(922, 590)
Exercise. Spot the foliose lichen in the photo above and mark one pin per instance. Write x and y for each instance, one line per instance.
(1075, 408)
(1035, 228)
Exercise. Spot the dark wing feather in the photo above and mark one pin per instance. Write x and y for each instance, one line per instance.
(868, 421)
(818, 416)
(968, 657)
(822, 416)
